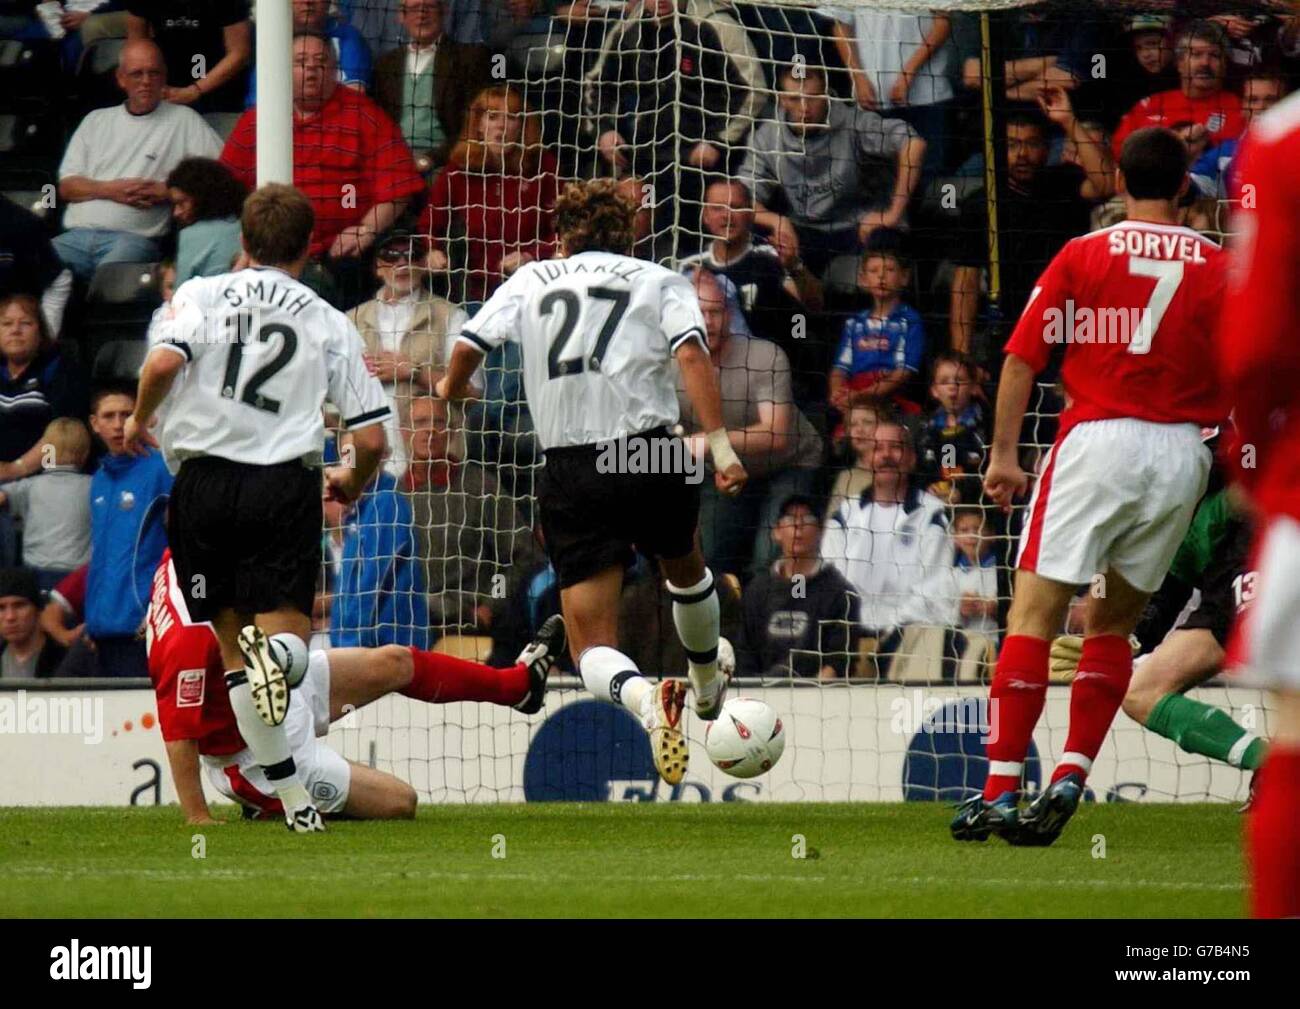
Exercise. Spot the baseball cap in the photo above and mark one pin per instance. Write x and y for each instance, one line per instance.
(1149, 23)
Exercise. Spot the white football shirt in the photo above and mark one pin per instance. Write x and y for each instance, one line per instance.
(597, 332)
(264, 353)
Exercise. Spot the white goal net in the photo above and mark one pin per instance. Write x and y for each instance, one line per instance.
(818, 161)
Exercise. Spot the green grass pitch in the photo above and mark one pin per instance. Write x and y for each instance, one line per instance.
(575, 860)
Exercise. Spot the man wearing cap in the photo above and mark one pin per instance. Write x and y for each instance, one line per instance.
(26, 650)
(1200, 104)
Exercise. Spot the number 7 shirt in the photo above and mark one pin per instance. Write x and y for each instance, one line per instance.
(1136, 306)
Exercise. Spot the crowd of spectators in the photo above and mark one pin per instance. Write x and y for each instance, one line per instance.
(817, 173)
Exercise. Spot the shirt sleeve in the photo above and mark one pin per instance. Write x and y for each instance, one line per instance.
(844, 355)
(679, 312)
(880, 136)
(357, 393)
(1042, 322)
(912, 350)
(354, 57)
(70, 593)
(18, 495)
(179, 327)
(240, 152)
(76, 159)
(498, 320)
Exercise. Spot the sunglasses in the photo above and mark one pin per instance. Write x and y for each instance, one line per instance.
(403, 251)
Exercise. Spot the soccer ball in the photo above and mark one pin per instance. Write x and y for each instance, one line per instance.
(746, 739)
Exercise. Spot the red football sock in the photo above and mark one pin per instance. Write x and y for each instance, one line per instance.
(1015, 701)
(441, 679)
(1273, 837)
(1105, 667)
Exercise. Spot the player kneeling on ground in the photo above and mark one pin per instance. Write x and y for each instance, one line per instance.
(203, 737)
(600, 331)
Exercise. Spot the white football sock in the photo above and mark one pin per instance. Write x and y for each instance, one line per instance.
(270, 744)
(290, 651)
(611, 676)
(696, 617)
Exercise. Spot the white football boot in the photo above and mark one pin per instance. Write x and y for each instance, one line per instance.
(266, 679)
(661, 714)
(709, 700)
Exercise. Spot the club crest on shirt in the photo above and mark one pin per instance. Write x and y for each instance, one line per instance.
(189, 688)
(127, 501)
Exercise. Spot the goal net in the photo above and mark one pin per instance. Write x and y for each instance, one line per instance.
(868, 193)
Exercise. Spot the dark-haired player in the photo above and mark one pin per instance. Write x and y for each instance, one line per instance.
(600, 332)
(1135, 306)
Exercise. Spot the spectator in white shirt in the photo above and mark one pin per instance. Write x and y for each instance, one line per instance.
(892, 545)
(114, 172)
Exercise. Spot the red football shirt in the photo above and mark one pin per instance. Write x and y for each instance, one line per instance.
(70, 593)
(1259, 341)
(1136, 306)
(185, 666)
(346, 158)
(1220, 115)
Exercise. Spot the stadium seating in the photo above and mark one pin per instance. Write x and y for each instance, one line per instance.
(465, 646)
(119, 304)
(222, 123)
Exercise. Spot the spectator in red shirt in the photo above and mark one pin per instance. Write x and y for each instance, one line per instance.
(1214, 114)
(348, 157)
(498, 190)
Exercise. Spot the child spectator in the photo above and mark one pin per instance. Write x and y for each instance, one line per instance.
(881, 348)
(54, 505)
(954, 435)
(166, 277)
(976, 572)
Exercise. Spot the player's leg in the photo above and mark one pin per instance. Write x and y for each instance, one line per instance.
(591, 617)
(1016, 699)
(269, 743)
(1156, 698)
(697, 617)
(1273, 828)
(378, 795)
(359, 676)
(1019, 688)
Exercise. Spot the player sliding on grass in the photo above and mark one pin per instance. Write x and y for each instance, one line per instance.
(1213, 559)
(248, 359)
(202, 735)
(1116, 493)
(599, 332)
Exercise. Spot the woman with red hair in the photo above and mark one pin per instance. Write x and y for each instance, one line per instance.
(496, 195)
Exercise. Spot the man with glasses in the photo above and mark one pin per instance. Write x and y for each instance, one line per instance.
(114, 170)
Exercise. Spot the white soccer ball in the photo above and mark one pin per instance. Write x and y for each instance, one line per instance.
(746, 739)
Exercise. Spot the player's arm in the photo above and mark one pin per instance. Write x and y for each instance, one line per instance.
(156, 379)
(701, 383)
(465, 360)
(183, 757)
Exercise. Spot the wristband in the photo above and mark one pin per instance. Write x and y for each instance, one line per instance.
(724, 456)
